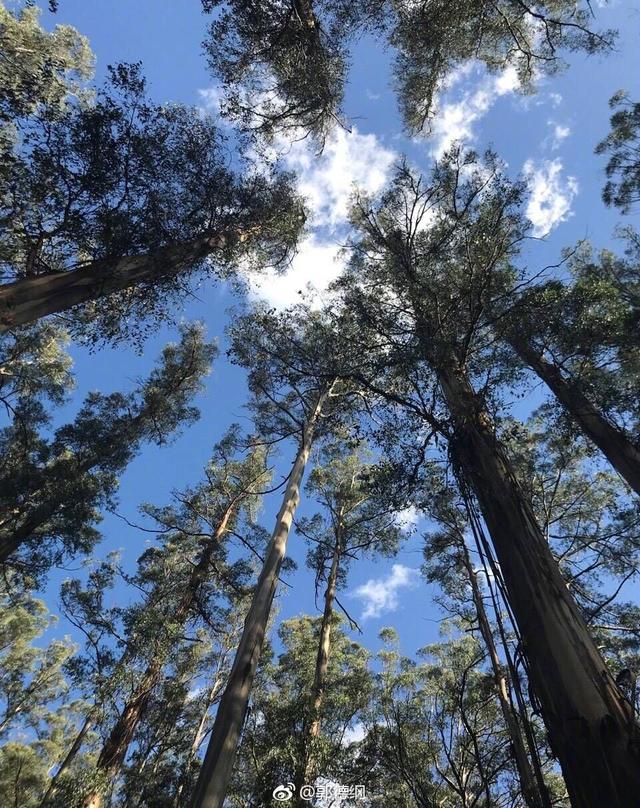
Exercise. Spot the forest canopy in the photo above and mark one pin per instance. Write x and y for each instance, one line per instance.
(320, 387)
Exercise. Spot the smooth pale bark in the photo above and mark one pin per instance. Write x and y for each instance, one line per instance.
(591, 725)
(311, 730)
(114, 751)
(612, 442)
(27, 300)
(217, 766)
(534, 793)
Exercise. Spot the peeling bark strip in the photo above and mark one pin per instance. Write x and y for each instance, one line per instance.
(211, 788)
(114, 751)
(534, 796)
(613, 443)
(27, 300)
(591, 725)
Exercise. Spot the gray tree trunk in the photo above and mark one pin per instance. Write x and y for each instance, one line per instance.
(307, 772)
(217, 766)
(612, 442)
(591, 726)
(29, 299)
(535, 796)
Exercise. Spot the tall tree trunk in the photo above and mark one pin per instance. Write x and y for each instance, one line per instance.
(199, 737)
(211, 788)
(69, 757)
(535, 794)
(311, 730)
(591, 725)
(612, 442)
(27, 300)
(114, 751)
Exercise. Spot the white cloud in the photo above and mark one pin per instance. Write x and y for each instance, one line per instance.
(455, 120)
(211, 99)
(408, 518)
(559, 132)
(550, 195)
(350, 160)
(381, 594)
(556, 99)
(371, 95)
(312, 270)
(354, 734)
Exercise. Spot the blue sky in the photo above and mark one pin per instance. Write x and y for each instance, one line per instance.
(550, 136)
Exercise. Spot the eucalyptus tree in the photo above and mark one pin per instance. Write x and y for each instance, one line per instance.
(39, 68)
(449, 564)
(117, 199)
(50, 489)
(294, 374)
(430, 258)
(37, 708)
(271, 750)
(35, 377)
(356, 520)
(188, 584)
(31, 678)
(433, 731)
(35, 367)
(622, 146)
(162, 767)
(284, 65)
(579, 338)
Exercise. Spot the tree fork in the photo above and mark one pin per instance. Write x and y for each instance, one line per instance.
(591, 725)
(211, 787)
(612, 442)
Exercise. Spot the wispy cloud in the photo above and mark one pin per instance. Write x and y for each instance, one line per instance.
(380, 595)
(211, 99)
(408, 518)
(559, 133)
(350, 160)
(314, 267)
(471, 94)
(550, 195)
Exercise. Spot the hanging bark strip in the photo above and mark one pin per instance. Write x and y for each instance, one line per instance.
(311, 729)
(211, 788)
(612, 442)
(114, 751)
(591, 725)
(27, 300)
(534, 796)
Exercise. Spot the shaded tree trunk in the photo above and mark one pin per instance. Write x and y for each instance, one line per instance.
(211, 788)
(534, 793)
(69, 757)
(27, 300)
(198, 738)
(311, 728)
(612, 442)
(114, 751)
(591, 725)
